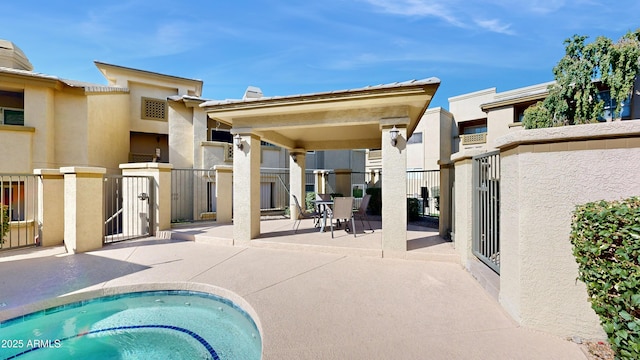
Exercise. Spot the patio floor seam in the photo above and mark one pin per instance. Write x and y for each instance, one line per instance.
(218, 263)
(295, 276)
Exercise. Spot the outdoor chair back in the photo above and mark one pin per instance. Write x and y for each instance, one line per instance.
(343, 210)
(361, 212)
(303, 215)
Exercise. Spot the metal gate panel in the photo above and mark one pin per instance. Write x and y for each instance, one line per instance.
(127, 207)
(486, 209)
(19, 213)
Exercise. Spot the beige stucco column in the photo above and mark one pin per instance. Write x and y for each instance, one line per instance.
(343, 181)
(463, 203)
(394, 187)
(297, 180)
(446, 180)
(224, 193)
(246, 188)
(160, 191)
(83, 208)
(50, 207)
(320, 177)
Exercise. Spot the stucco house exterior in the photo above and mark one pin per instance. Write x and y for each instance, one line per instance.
(139, 116)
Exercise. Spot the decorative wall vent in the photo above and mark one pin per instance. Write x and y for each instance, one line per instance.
(154, 109)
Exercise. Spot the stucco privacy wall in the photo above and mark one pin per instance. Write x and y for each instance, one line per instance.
(545, 173)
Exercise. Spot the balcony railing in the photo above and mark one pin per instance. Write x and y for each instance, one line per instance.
(470, 139)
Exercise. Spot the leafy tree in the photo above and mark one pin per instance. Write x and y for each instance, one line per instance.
(573, 99)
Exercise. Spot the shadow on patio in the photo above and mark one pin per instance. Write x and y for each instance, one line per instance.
(423, 243)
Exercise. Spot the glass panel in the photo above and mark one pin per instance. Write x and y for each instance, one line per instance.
(416, 138)
(13, 117)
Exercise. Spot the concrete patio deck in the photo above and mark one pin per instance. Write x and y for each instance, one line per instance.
(315, 297)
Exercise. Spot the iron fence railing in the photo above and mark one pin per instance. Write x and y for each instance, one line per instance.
(274, 189)
(193, 195)
(486, 209)
(19, 224)
(127, 207)
(424, 185)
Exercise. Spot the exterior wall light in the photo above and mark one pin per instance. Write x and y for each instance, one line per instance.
(237, 140)
(294, 157)
(394, 135)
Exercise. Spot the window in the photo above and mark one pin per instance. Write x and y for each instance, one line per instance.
(474, 129)
(221, 136)
(416, 138)
(11, 116)
(610, 106)
(154, 109)
(519, 109)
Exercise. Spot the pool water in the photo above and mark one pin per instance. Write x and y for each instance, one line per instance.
(142, 325)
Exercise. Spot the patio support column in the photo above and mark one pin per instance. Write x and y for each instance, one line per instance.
(224, 192)
(83, 208)
(394, 187)
(50, 207)
(343, 182)
(320, 181)
(297, 180)
(246, 187)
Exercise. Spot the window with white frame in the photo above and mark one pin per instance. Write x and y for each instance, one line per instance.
(9, 116)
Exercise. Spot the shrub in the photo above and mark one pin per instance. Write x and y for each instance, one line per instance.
(309, 200)
(606, 244)
(413, 209)
(4, 225)
(375, 203)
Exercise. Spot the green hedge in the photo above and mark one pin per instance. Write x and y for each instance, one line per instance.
(375, 203)
(4, 225)
(606, 244)
(413, 209)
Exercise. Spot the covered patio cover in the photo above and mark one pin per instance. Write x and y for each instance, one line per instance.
(336, 120)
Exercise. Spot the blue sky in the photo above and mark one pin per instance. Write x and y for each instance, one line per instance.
(289, 47)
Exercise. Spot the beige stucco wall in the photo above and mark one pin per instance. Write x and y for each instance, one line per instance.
(213, 153)
(137, 92)
(181, 128)
(16, 140)
(498, 121)
(71, 141)
(545, 174)
(108, 131)
(467, 106)
(39, 105)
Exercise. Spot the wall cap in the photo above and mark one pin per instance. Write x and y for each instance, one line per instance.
(466, 154)
(82, 170)
(151, 165)
(47, 172)
(614, 129)
(223, 168)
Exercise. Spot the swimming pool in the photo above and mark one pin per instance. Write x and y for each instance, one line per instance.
(166, 324)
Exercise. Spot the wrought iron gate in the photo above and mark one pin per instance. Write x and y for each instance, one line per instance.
(486, 209)
(127, 207)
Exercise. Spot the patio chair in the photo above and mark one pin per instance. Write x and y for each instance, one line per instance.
(343, 209)
(304, 215)
(361, 212)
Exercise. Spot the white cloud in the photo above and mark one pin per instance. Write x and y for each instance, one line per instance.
(417, 8)
(495, 25)
(459, 14)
